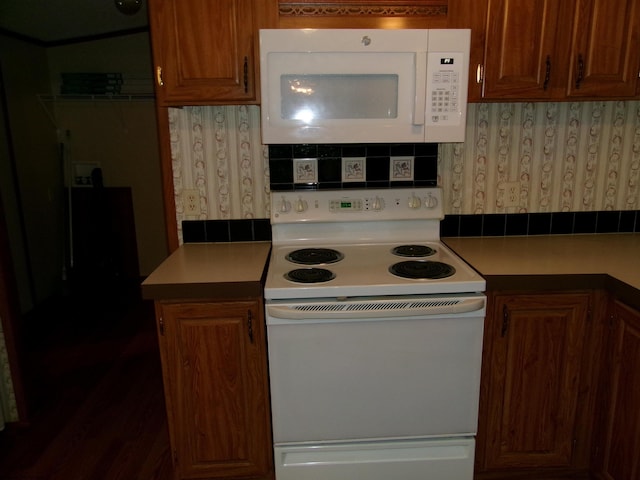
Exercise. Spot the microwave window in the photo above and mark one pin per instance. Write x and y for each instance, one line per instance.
(330, 97)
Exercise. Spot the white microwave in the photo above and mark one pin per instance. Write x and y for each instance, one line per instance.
(363, 86)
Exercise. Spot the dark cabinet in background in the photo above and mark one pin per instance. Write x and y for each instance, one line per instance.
(103, 253)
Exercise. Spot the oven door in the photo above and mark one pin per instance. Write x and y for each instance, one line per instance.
(363, 369)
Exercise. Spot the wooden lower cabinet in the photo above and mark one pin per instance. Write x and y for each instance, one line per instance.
(532, 394)
(216, 388)
(617, 450)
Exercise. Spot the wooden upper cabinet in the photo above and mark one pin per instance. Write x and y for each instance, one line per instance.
(519, 49)
(556, 50)
(605, 58)
(206, 51)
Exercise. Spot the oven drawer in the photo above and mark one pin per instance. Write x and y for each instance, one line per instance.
(442, 459)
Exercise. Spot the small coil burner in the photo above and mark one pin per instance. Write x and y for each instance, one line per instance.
(422, 269)
(310, 275)
(314, 256)
(413, 251)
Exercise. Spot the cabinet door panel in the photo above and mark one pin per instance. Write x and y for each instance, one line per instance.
(604, 53)
(203, 50)
(519, 48)
(621, 443)
(537, 343)
(215, 370)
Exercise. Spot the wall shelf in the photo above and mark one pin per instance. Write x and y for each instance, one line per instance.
(98, 98)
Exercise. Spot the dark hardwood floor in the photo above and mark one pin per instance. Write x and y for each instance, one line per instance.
(94, 382)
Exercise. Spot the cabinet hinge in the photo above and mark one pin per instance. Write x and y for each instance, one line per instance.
(479, 73)
(161, 324)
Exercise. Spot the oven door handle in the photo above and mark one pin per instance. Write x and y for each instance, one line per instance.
(376, 310)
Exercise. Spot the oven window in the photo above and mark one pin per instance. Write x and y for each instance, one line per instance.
(329, 96)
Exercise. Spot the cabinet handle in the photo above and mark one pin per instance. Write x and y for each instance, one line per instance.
(246, 74)
(161, 325)
(250, 325)
(505, 320)
(547, 73)
(580, 76)
(479, 73)
(159, 76)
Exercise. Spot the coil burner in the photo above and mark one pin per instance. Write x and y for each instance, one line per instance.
(415, 269)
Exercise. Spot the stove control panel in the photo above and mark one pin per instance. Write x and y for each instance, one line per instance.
(356, 205)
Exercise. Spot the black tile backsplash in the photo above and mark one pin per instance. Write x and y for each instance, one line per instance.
(558, 223)
(249, 230)
(330, 165)
(488, 225)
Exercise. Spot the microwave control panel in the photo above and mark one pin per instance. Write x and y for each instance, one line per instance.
(444, 75)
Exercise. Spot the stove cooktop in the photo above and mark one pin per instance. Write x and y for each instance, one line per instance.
(368, 270)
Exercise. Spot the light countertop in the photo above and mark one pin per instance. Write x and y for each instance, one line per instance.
(210, 270)
(616, 255)
(216, 270)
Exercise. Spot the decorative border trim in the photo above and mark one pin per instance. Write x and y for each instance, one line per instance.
(345, 9)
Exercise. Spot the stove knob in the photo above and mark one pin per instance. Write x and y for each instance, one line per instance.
(301, 205)
(378, 204)
(430, 201)
(285, 206)
(414, 202)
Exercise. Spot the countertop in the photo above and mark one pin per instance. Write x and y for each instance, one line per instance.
(211, 271)
(229, 270)
(609, 259)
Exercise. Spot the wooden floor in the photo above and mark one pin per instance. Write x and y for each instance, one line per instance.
(97, 407)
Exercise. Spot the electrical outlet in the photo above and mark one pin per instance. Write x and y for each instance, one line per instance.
(511, 194)
(191, 201)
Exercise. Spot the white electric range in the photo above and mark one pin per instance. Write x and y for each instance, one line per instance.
(374, 336)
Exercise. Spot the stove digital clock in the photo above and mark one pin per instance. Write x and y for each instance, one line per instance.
(345, 205)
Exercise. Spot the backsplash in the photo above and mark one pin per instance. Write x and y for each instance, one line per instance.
(518, 159)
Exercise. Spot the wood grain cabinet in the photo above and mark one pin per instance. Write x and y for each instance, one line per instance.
(529, 407)
(617, 451)
(206, 51)
(216, 388)
(553, 49)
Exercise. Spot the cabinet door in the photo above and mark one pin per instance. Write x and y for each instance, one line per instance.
(214, 366)
(204, 50)
(520, 43)
(618, 450)
(534, 345)
(604, 53)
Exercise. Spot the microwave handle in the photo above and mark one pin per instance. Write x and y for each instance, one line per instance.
(421, 88)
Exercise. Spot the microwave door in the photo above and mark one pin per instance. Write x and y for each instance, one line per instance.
(348, 97)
